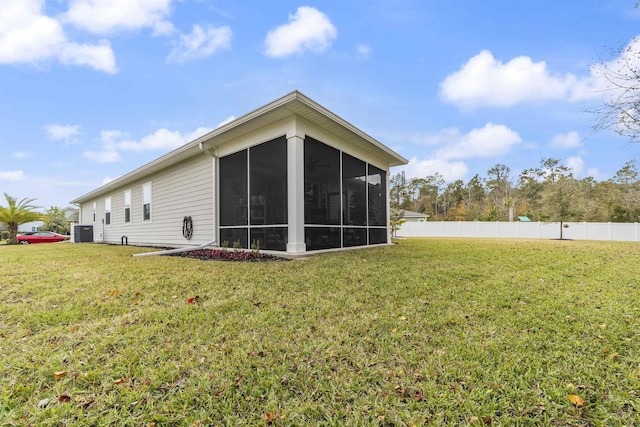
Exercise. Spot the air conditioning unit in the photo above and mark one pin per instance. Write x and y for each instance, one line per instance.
(83, 233)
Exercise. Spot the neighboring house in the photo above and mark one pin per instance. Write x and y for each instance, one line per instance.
(411, 216)
(290, 176)
(30, 226)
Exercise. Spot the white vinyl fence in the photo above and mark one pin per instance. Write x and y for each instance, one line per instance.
(525, 230)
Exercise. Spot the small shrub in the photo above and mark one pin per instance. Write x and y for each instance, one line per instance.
(255, 247)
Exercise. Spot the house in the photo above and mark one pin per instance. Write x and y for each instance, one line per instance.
(290, 176)
(30, 226)
(410, 216)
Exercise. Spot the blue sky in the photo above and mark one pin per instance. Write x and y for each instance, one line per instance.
(92, 89)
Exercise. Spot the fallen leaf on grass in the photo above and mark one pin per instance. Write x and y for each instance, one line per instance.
(271, 418)
(576, 400)
(612, 356)
(43, 403)
(487, 420)
(239, 378)
(58, 375)
(174, 296)
(120, 381)
(63, 398)
(113, 293)
(193, 299)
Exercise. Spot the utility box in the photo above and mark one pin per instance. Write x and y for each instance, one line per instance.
(83, 234)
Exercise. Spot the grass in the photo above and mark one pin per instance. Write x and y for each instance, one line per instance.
(427, 332)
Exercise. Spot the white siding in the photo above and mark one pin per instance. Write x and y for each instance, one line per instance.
(185, 189)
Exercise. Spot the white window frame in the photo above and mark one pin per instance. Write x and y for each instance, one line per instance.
(127, 205)
(107, 210)
(146, 200)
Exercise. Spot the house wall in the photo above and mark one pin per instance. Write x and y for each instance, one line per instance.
(184, 189)
(187, 188)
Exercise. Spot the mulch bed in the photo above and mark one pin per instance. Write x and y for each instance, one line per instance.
(228, 255)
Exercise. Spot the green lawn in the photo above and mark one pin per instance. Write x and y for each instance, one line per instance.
(427, 332)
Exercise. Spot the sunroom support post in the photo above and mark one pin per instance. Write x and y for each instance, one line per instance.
(295, 193)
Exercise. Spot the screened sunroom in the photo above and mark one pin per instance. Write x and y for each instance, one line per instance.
(345, 198)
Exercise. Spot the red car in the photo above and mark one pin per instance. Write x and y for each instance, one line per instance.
(40, 237)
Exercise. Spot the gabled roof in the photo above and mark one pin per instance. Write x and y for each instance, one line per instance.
(294, 103)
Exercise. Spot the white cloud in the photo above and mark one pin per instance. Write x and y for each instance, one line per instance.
(620, 72)
(108, 16)
(197, 133)
(596, 174)
(29, 37)
(200, 43)
(104, 156)
(11, 175)
(114, 141)
(579, 169)
(449, 170)
(566, 140)
(576, 164)
(99, 56)
(489, 141)
(110, 137)
(21, 154)
(308, 29)
(363, 51)
(485, 81)
(162, 139)
(225, 121)
(163, 28)
(61, 132)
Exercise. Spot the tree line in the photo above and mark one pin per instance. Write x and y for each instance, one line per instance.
(549, 192)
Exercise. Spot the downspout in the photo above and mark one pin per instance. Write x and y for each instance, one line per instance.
(213, 153)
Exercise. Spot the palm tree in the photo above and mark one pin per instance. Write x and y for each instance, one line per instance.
(16, 213)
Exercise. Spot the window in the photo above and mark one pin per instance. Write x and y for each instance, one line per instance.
(345, 199)
(127, 206)
(233, 189)
(94, 211)
(253, 196)
(146, 201)
(354, 191)
(321, 183)
(377, 188)
(107, 211)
